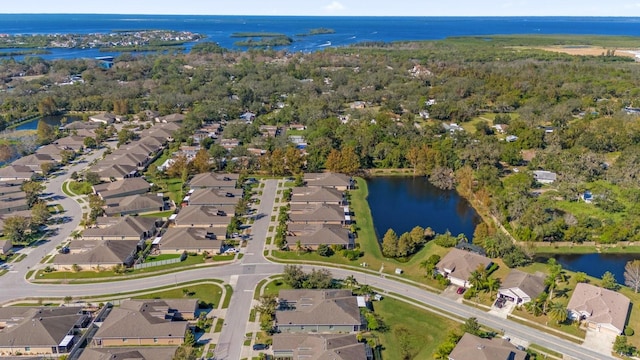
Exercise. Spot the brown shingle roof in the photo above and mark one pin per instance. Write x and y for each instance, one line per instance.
(129, 353)
(319, 346)
(460, 263)
(204, 216)
(134, 203)
(316, 213)
(316, 194)
(604, 306)
(205, 180)
(471, 347)
(192, 238)
(327, 179)
(123, 226)
(532, 285)
(313, 235)
(137, 319)
(122, 187)
(98, 252)
(211, 197)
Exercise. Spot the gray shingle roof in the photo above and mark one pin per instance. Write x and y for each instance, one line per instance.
(316, 194)
(605, 306)
(531, 285)
(129, 353)
(123, 226)
(191, 238)
(97, 252)
(122, 187)
(205, 180)
(204, 216)
(319, 346)
(462, 263)
(32, 326)
(319, 307)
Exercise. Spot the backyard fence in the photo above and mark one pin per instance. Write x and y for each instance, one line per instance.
(159, 262)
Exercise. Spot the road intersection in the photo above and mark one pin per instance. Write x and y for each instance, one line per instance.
(244, 276)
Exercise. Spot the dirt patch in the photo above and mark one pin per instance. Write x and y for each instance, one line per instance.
(588, 50)
(528, 155)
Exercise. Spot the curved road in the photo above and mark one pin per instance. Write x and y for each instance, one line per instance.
(244, 275)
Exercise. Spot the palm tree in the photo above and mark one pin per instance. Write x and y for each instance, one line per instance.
(492, 285)
(365, 289)
(350, 282)
(534, 307)
(558, 312)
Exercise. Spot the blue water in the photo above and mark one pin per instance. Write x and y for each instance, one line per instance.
(403, 202)
(349, 30)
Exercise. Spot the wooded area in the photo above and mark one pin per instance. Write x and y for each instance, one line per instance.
(392, 106)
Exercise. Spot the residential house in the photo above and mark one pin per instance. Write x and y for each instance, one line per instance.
(129, 353)
(121, 188)
(172, 118)
(269, 130)
(114, 172)
(317, 195)
(142, 322)
(5, 246)
(104, 118)
(203, 216)
(35, 161)
(320, 347)
(544, 177)
(213, 197)
(521, 287)
(312, 236)
(599, 308)
(214, 181)
(54, 151)
(318, 214)
(134, 204)
(471, 347)
(150, 115)
(337, 181)
(190, 239)
(123, 157)
(39, 330)
(298, 127)
(73, 142)
(358, 105)
(122, 228)
(320, 311)
(248, 117)
(10, 187)
(81, 125)
(10, 203)
(458, 265)
(511, 138)
(16, 172)
(230, 144)
(97, 254)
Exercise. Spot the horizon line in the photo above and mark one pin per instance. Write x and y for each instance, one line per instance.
(337, 15)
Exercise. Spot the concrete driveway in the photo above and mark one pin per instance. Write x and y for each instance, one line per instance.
(600, 341)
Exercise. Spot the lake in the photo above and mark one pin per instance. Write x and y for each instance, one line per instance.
(403, 202)
(51, 120)
(595, 264)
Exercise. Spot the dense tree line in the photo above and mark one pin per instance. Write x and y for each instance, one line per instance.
(592, 145)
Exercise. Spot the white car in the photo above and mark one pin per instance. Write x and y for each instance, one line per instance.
(232, 251)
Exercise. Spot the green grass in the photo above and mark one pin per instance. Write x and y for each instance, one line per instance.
(79, 187)
(427, 329)
(545, 350)
(86, 275)
(162, 257)
(274, 286)
(65, 189)
(252, 315)
(20, 258)
(227, 299)
(219, 324)
(208, 293)
(160, 214)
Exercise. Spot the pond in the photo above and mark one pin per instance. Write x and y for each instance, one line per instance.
(594, 264)
(51, 120)
(403, 202)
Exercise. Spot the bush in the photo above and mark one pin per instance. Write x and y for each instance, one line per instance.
(324, 250)
(352, 254)
(628, 331)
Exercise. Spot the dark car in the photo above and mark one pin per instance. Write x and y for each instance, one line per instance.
(260, 346)
(461, 290)
(500, 302)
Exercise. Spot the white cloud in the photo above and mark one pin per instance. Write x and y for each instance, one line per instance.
(335, 6)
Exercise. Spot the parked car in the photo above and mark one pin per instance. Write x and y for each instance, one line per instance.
(260, 346)
(500, 302)
(232, 251)
(461, 290)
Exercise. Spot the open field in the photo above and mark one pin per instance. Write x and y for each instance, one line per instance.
(588, 50)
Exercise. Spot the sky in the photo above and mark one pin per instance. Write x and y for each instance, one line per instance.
(333, 7)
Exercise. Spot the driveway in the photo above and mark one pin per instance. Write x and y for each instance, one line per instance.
(504, 311)
(600, 341)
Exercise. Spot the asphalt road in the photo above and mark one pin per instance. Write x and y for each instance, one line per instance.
(244, 276)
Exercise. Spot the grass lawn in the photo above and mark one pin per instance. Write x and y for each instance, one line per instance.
(68, 275)
(208, 293)
(65, 189)
(274, 286)
(161, 214)
(162, 257)
(427, 330)
(79, 187)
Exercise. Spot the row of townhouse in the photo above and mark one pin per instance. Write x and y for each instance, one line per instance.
(137, 329)
(319, 324)
(319, 212)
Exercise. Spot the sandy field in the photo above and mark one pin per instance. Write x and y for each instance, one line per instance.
(591, 50)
